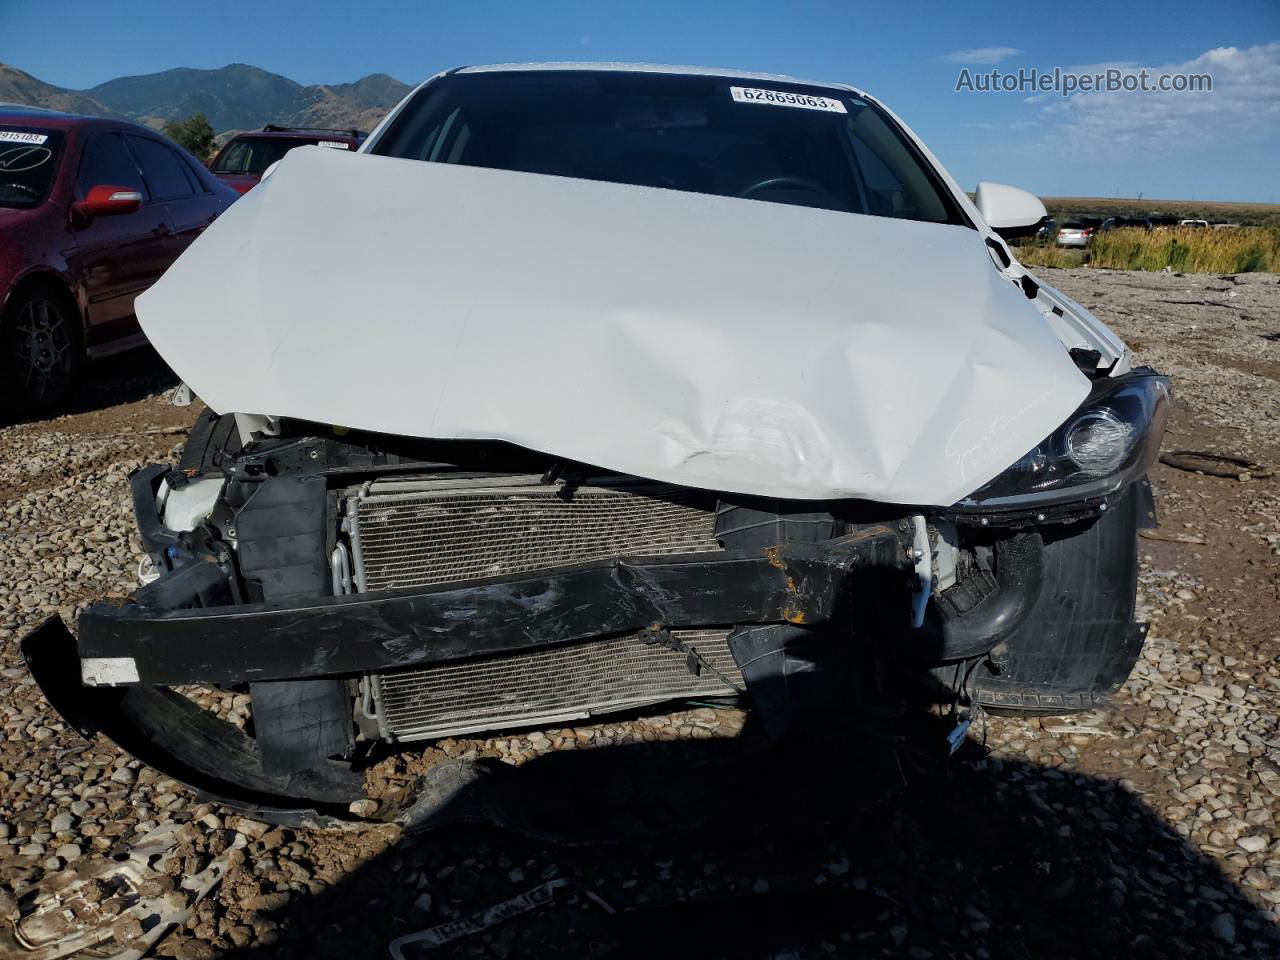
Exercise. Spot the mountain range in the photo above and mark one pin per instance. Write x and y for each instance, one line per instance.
(235, 97)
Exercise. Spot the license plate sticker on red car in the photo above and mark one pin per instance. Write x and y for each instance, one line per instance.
(16, 136)
(781, 99)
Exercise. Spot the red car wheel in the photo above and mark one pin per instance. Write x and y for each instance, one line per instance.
(42, 350)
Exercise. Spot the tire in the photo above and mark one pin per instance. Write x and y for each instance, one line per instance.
(41, 352)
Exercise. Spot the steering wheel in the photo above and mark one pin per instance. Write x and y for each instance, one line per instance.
(23, 187)
(772, 183)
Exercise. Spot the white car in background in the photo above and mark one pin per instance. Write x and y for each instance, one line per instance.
(1073, 233)
(584, 388)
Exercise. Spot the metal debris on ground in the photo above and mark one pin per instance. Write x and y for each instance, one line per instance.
(478, 922)
(117, 909)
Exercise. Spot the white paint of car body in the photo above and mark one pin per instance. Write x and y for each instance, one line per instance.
(1081, 329)
(922, 554)
(1004, 207)
(715, 342)
(1075, 325)
(185, 508)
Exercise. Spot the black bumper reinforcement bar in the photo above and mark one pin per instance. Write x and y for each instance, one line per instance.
(149, 641)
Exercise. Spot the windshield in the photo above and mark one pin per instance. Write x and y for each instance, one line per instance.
(252, 155)
(28, 161)
(784, 143)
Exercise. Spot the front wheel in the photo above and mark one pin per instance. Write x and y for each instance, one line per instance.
(41, 351)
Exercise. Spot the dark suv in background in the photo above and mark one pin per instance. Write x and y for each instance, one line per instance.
(92, 211)
(240, 164)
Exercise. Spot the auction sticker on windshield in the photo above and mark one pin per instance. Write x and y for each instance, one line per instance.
(15, 136)
(780, 99)
(19, 159)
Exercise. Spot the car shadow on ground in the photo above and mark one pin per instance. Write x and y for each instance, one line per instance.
(742, 848)
(124, 378)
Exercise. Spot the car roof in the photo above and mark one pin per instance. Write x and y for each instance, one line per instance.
(592, 67)
(301, 134)
(19, 114)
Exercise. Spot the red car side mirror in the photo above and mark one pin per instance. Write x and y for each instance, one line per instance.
(108, 201)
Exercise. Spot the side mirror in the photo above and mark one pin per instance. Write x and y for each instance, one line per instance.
(1009, 211)
(107, 201)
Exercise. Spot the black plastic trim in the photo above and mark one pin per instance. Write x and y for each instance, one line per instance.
(336, 636)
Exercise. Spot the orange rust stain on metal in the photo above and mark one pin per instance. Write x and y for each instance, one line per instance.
(790, 614)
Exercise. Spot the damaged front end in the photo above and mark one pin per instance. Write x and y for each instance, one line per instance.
(777, 402)
(368, 590)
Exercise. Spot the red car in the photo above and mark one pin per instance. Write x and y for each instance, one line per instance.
(241, 162)
(92, 211)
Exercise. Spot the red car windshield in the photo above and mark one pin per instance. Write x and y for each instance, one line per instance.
(28, 160)
(252, 155)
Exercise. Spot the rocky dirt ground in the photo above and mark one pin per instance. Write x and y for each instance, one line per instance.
(1149, 830)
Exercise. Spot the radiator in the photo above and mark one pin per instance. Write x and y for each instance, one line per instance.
(552, 685)
(414, 533)
(417, 533)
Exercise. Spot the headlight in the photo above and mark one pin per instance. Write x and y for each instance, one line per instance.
(1108, 443)
(1097, 441)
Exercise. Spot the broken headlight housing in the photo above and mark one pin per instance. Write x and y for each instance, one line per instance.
(1109, 442)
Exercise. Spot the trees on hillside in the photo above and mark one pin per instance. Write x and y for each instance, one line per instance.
(193, 133)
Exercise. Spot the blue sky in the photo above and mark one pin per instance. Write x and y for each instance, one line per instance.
(1223, 145)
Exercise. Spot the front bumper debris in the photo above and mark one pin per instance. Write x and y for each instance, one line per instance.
(157, 639)
(114, 678)
(366, 594)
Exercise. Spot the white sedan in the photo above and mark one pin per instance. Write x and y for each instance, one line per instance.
(1073, 233)
(587, 388)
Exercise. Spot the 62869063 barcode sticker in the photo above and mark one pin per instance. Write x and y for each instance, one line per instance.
(780, 98)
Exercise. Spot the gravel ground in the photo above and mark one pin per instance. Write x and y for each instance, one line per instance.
(1150, 829)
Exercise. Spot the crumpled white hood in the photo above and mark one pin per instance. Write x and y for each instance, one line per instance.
(713, 342)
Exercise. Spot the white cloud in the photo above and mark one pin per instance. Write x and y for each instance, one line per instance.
(981, 55)
(1103, 65)
(1243, 106)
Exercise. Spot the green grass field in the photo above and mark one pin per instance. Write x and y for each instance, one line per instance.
(1186, 250)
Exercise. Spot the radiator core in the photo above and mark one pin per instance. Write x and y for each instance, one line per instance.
(443, 530)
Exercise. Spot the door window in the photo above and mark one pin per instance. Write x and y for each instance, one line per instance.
(161, 168)
(193, 178)
(107, 162)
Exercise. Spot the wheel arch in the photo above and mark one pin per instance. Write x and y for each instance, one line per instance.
(51, 282)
